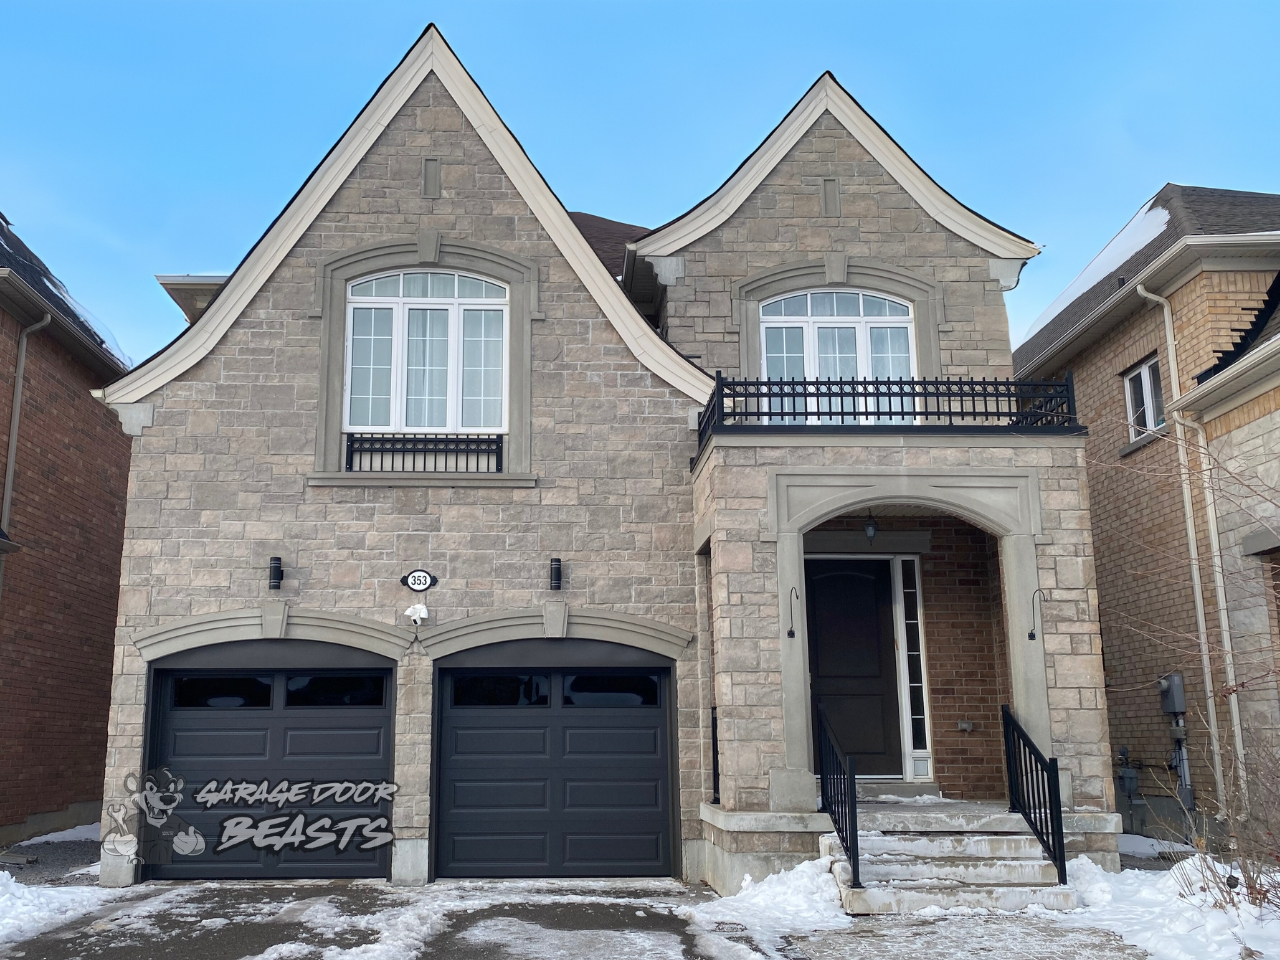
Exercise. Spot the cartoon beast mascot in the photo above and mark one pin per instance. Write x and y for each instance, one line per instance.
(150, 832)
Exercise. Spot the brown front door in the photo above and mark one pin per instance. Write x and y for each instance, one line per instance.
(852, 666)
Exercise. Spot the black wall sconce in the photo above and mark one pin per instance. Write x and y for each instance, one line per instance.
(870, 527)
(277, 574)
(1040, 595)
(791, 599)
(555, 573)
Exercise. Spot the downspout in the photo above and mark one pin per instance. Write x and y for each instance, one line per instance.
(1193, 549)
(15, 418)
(1220, 596)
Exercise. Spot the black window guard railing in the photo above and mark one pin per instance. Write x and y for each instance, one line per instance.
(888, 406)
(1034, 790)
(410, 453)
(837, 773)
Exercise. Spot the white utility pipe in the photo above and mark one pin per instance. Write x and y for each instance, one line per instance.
(15, 418)
(1220, 596)
(1193, 550)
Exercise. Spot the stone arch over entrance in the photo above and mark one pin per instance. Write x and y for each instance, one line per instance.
(274, 620)
(1003, 502)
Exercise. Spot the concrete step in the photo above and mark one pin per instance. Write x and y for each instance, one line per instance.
(943, 845)
(871, 789)
(939, 818)
(908, 898)
(977, 871)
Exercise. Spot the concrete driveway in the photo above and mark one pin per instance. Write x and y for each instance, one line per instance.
(497, 920)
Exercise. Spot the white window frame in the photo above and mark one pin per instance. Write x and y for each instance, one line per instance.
(400, 307)
(862, 324)
(1143, 373)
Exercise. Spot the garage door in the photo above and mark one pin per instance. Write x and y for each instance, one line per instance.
(286, 773)
(554, 773)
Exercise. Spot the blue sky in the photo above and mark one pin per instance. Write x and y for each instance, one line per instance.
(145, 138)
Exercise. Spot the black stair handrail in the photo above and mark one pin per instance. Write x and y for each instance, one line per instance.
(837, 774)
(1034, 789)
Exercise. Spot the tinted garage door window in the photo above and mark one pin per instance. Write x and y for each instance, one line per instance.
(554, 773)
(247, 728)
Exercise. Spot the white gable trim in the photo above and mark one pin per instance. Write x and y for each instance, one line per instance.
(827, 94)
(431, 54)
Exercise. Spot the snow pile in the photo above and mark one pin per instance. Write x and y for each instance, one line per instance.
(923, 799)
(26, 911)
(800, 900)
(1148, 909)
(90, 831)
(520, 938)
(1132, 845)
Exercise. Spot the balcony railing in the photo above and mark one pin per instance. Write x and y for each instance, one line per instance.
(409, 453)
(889, 406)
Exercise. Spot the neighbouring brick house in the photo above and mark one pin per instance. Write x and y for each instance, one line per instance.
(664, 562)
(62, 505)
(1168, 334)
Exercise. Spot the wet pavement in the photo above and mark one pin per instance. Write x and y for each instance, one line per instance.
(507, 920)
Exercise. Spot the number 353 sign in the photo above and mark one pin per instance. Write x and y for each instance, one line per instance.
(419, 581)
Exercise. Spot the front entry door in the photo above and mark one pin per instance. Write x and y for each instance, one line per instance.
(852, 661)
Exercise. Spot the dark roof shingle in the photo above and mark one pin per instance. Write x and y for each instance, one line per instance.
(608, 238)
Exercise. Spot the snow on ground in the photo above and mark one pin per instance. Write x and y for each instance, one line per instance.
(801, 900)
(924, 798)
(90, 831)
(519, 938)
(26, 911)
(1149, 910)
(1132, 845)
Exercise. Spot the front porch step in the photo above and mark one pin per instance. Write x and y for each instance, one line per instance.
(957, 870)
(945, 845)
(897, 898)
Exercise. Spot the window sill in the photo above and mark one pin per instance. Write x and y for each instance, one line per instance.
(374, 478)
(1143, 440)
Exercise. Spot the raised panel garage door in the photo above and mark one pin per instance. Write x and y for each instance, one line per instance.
(310, 729)
(554, 773)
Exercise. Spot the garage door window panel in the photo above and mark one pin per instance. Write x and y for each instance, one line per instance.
(501, 690)
(610, 690)
(221, 693)
(327, 690)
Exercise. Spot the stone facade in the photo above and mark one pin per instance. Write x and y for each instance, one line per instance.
(225, 478)
(878, 221)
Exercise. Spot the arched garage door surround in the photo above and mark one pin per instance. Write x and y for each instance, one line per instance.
(1003, 502)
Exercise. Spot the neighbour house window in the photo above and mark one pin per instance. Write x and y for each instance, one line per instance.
(838, 335)
(1144, 398)
(426, 355)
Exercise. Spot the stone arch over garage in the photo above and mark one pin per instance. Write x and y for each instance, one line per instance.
(1003, 502)
(273, 620)
(555, 619)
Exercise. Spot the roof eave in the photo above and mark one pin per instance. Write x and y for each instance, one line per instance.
(23, 299)
(1166, 270)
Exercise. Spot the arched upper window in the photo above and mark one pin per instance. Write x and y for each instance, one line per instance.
(836, 335)
(426, 353)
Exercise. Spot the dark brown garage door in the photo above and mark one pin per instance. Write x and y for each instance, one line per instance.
(286, 763)
(554, 773)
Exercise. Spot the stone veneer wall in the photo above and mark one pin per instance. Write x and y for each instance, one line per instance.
(732, 504)
(780, 223)
(218, 484)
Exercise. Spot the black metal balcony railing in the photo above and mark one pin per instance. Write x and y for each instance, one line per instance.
(408, 453)
(889, 406)
(1034, 790)
(837, 774)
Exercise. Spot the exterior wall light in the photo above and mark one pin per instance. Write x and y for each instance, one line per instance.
(870, 528)
(555, 573)
(276, 575)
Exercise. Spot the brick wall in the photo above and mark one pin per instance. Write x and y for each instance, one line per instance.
(780, 223)
(58, 605)
(964, 648)
(1146, 601)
